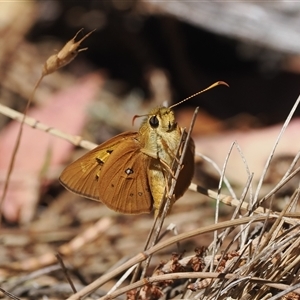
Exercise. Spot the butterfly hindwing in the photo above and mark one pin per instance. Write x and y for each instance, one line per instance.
(123, 183)
(187, 172)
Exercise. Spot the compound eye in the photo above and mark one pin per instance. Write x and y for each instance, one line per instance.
(153, 121)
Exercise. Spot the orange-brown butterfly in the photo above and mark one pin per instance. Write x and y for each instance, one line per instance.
(128, 172)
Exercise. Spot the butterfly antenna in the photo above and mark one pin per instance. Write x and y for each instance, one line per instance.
(138, 116)
(198, 93)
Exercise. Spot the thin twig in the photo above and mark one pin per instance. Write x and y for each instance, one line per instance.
(216, 167)
(16, 147)
(262, 177)
(10, 295)
(214, 250)
(65, 270)
(74, 139)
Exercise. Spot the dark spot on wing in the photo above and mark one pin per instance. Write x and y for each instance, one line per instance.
(99, 161)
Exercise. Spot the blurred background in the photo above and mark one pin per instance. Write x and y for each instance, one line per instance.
(253, 46)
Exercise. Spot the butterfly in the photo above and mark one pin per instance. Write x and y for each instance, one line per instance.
(128, 173)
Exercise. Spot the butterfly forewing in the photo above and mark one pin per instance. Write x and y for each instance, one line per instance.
(82, 176)
(123, 185)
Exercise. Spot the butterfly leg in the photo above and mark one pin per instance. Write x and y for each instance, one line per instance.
(171, 153)
(160, 160)
(161, 189)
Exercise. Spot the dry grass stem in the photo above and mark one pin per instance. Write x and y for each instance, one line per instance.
(10, 295)
(173, 240)
(287, 121)
(65, 56)
(65, 270)
(75, 140)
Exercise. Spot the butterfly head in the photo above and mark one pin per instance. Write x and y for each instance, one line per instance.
(161, 119)
(158, 129)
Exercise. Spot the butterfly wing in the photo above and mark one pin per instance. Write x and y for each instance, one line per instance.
(99, 175)
(81, 176)
(123, 181)
(186, 174)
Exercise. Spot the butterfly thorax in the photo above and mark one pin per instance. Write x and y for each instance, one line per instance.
(159, 138)
(159, 135)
